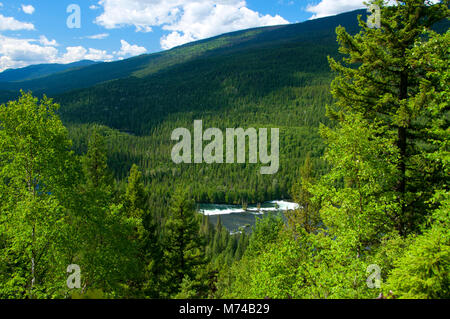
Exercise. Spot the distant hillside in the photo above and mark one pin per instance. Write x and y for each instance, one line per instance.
(40, 70)
(210, 75)
(149, 64)
(56, 79)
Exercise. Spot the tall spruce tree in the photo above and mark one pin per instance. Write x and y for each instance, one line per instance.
(135, 199)
(382, 181)
(422, 270)
(377, 79)
(307, 216)
(145, 237)
(108, 255)
(183, 246)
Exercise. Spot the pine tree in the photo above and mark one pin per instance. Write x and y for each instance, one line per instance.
(108, 255)
(241, 246)
(183, 245)
(379, 182)
(422, 270)
(135, 199)
(218, 237)
(383, 86)
(145, 235)
(95, 165)
(307, 216)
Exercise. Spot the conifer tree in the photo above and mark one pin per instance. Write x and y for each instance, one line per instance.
(108, 255)
(135, 199)
(307, 216)
(183, 245)
(378, 80)
(145, 236)
(422, 270)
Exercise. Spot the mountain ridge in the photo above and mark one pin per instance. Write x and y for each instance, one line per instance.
(37, 71)
(147, 64)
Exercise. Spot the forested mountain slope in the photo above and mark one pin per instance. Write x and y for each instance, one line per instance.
(270, 77)
(39, 71)
(147, 64)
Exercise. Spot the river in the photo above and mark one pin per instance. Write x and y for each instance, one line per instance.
(233, 217)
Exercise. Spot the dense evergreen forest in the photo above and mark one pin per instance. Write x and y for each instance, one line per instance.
(262, 84)
(231, 81)
(86, 176)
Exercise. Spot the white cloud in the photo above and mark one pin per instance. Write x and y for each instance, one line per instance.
(17, 53)
(94, 7)
(96, 36)
(327, 8)
(79, 53)
(203, 20)
(28, 9)
(128, 49)
(9, 23)
(332, 7)
(46, 42)
(187, 20)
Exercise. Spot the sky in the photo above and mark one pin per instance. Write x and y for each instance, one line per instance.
(65, 31)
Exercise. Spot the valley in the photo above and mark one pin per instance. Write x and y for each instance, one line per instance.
(151, 176)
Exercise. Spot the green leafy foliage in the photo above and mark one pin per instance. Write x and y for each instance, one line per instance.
(112, 201)
(37, 167)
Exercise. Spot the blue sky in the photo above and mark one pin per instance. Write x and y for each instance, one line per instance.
(36, 31)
